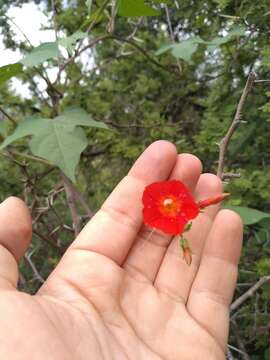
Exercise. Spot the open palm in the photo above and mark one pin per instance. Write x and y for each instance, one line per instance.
(118, 293)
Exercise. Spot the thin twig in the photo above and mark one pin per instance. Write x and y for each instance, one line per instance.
(78, 197)
(54, 19)
(129, 126)
(8, 116)
(30, 157)
(20, 30)
(134, 31)
(72, 205)
(261, 81)
(78, 52)
(99, 12)
(55, 28)
(128, 40)
(172, 34)
(34, 269)
(249, 293)
(223, 145)
(83, 203)
(227, 176)
(145, 53)
(39, 95)
(111, 24)
(45, 78)
(235, 349)
(244, 355)
(263, 330)
(49, 241)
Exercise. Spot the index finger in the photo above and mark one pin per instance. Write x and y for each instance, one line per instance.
(112, 230)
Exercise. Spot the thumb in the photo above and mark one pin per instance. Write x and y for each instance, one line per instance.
(15, 236)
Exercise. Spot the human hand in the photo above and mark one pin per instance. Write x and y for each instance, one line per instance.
(115, 295)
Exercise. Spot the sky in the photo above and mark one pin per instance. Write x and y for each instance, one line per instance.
(30, 20)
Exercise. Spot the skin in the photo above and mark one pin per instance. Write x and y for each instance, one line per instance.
(119, 293)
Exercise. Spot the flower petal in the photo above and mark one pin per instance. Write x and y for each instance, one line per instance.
(154, 191)
(190, 209)
(150, 214)
(172, 226)
(179, 189)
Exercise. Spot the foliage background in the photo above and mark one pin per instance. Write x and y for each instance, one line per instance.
(186, 92)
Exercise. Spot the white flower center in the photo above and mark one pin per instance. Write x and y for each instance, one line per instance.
(168, 202)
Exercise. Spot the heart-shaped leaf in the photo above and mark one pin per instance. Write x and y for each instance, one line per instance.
(57, 140)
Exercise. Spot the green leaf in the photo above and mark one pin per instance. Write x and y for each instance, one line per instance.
(237, 31)
(40, 54)
(249, 216)
(60, 144)
(3, 128)
(218, 41)
(70, 41)
(8, 71)
(164, 48)
(29, 126)
(222, 3)
(134, 8)
(185, 49)
(79, 117)
(57, 140)
(88, 3)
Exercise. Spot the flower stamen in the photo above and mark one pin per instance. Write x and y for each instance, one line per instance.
(168, 203)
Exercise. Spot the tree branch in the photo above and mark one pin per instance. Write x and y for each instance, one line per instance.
(223, 145)
(249, 293)
(111, 24)
(49, 241)
(54, 19)
(172, 34)
(244, 355)
(144, 52)
(71, 204)
(34, 269)
(78, 52)
(226, 176)
(30, 157)
(8, 116)
(78, 197)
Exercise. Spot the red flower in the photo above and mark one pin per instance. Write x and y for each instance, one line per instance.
(168, 206)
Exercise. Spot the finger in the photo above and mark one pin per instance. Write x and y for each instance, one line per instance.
(175, 277)
(113, 229)
(213, 288)
(15, 236)
(148, 251)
